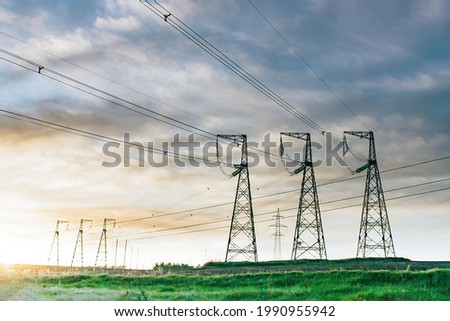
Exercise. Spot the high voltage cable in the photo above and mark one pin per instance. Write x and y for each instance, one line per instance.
(259, 222)
(224, 59)
(155, 216)
(267, 213)
(359, 177)
(213, 51)
(96, 136)
(177, 123)
(113, 81)
(271, 212)
(292, 191)
(297, 53)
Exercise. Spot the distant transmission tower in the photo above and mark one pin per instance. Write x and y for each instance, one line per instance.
(103, 242)
(277, 235)
(80, 242)
(55, 242)
(309, 240)
(375, 237)
(242, 237)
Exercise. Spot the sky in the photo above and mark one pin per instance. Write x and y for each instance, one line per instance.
(346, 65)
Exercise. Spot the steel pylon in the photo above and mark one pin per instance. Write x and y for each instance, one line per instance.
(103, 242)
(242, 236)
(55, 241)
(278, 235)
(375, 236)
(80, 242)
(309, 240)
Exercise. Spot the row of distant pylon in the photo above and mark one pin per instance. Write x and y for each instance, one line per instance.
(375, 237)
(79, 243)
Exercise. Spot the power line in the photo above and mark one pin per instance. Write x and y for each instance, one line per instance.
(113, 99)
(154, 216)
(293, 208)
(217, 54)
(96, 136)
(116, 100)
(230, 64)
(297, 53)
(291, 191)
(271, 212)
(183, 110)
(281, 210)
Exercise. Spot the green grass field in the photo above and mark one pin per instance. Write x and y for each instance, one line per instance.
(429, 285)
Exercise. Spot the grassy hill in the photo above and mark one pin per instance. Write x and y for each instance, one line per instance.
(317, 280)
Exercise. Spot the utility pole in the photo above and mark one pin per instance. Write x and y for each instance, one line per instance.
(80, 241)
(277, 235)
(131, 258)
(242, 236)
(125, 255)
(115, 255)
(55, 241)
(103, 239)
(309, 241)
(137, 259)
(375, 237)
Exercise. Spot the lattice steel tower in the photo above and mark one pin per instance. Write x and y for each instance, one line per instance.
(103, 239)
(309, 241)
(375, 237)
(80, 242)
(242, 237)
(278, 235)
(55, 242)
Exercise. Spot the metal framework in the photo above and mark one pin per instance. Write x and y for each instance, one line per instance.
(278, 235)
(242, 237)
(103, 239)
(309, 241)
(56, 241)
(80, 242)
(375, 237)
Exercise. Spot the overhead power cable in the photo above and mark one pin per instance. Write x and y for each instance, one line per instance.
(237, 69)
(271, 212)
(183, 110)
(267, 220)
(96, 136)
(217, 54)
(155, 216)
(114, 99)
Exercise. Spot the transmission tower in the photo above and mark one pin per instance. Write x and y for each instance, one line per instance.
(55, 241)
(80, 242)
(309, 240)
(103, 239)
(375, 237)
(277, 235)
(242, 237)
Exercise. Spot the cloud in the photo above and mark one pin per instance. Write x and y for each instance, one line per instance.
(70, 44)
(123, 24)
(418, 82)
